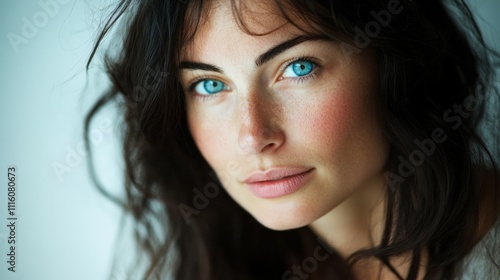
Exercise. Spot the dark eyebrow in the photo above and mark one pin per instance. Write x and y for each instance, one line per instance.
(263, 58)
(278, 49)
(199, 66)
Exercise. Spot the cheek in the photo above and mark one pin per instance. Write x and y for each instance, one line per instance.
(329, 120)
(332, 119)
(343, 129)
(204, 136)
(211, 138)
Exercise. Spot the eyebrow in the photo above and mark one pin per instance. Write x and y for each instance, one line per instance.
(199, 66)
(263, 58)
(280, 48)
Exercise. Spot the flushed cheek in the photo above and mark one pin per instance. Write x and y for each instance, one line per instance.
(342, 129)
(330, 119)
(325, 120)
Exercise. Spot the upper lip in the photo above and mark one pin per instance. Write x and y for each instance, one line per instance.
(275, 173)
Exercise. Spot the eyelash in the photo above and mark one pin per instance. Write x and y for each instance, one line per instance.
(193, 85)
(302, 79)
(296, 80)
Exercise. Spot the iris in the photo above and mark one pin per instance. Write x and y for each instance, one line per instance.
(299, 68)
(210, 87)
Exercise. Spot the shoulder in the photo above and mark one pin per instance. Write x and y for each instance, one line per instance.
(484, 259)
(488, 183)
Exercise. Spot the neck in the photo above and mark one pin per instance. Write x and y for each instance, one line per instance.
(358, 222)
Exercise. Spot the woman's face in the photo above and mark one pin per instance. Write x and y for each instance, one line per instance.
(290, 124)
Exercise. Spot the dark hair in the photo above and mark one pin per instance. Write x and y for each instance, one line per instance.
(432, 58)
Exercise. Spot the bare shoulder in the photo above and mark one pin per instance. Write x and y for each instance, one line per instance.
(481, 261)
(488, 180)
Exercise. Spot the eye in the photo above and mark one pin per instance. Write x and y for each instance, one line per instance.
(299, 68)
(209, 87)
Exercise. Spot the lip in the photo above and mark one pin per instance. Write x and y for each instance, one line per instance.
(277, 182)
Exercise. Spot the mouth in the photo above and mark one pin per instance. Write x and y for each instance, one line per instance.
(275, 174)
(278, 182)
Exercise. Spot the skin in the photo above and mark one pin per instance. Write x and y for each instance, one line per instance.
(329, 121)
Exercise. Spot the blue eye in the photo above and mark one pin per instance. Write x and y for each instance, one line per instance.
(208, 87)
(299, 68)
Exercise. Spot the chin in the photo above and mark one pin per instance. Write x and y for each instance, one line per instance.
(281, 224)
(285, 219)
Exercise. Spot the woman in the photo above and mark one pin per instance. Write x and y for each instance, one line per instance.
(308, 139)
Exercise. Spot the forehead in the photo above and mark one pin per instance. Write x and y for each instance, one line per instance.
(250, 25)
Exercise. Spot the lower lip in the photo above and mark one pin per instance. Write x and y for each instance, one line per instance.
(278, 188)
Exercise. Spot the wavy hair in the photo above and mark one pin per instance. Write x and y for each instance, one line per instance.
(437, 78)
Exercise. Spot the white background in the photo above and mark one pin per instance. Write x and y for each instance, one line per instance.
(65, 228)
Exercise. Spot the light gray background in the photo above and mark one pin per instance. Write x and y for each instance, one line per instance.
(65, 228)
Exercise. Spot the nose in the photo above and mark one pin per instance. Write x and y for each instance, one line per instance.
(259, 124)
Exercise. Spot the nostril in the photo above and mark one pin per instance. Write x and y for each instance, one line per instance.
(257, 135)
(268, 146)
(255, 145)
